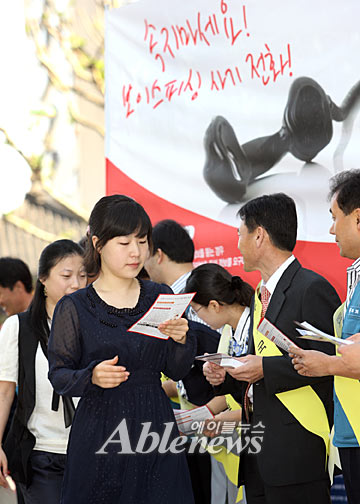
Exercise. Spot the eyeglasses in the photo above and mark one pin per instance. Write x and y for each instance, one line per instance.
(197, 311)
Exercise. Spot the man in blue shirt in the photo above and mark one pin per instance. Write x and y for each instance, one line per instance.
(345, 211)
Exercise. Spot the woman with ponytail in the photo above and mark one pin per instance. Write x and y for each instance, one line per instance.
(35, 448)
(223, 301)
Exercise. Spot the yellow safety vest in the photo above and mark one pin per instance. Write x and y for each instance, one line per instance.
(347, 389)
(303, 403)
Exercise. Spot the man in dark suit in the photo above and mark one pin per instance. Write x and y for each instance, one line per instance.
(291, 466)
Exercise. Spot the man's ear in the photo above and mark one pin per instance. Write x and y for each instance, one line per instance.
(357, 214)
(214, 305)
(18, 285)
(160, 256)
(260, 236)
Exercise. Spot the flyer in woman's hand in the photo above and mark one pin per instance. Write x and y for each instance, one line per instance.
(166, 307)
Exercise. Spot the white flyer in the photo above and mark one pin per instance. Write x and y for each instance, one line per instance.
(310, 332)
(273, 334)
(221, 359)
(188, 421)
(230, 362)
(166, 307)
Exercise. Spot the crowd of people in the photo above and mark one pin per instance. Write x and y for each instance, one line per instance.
(86, 404)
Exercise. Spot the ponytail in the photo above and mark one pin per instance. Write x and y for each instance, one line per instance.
(211, 281)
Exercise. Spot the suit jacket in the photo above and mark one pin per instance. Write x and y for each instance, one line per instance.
(290, 454)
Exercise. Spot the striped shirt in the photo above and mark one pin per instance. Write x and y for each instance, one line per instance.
(353, 278)
(179, 286)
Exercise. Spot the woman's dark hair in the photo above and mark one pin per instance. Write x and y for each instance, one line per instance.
(211, 281)
(112, 216)
(49, 258)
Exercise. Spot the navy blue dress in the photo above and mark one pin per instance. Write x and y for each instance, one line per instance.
(85, 331)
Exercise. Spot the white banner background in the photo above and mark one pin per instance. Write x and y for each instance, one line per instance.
(162, 148)
(158, 141)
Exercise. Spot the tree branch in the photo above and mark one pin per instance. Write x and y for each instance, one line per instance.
(57, 81)
(85, 122)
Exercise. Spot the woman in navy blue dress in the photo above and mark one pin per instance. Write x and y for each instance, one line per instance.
(124, 446)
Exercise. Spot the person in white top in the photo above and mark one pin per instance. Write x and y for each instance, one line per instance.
(223, 300)
(35, 448)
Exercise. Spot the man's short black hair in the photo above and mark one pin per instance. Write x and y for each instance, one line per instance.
(346, 187)
(173, 240)
(13, 270)
(276, 213)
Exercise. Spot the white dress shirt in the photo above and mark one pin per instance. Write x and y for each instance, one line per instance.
(275, 277)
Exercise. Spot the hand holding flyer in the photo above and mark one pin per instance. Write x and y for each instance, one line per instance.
(166, 307)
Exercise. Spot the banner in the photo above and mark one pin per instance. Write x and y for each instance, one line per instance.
(210, 103)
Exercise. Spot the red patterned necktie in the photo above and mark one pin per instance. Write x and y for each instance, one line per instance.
(247, 403)
(265, 298)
